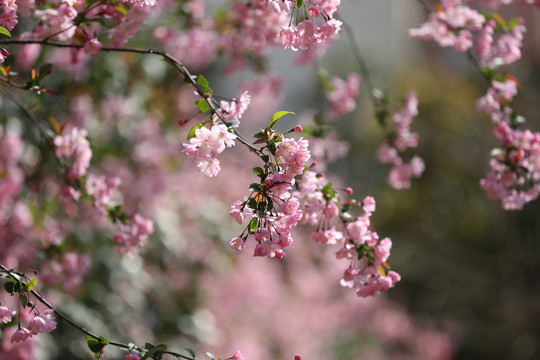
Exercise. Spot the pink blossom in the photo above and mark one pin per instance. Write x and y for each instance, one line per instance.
(238, 356)
(6, 314)
(43, 323)
(237, 243)
(342, 95)
(20, 335)
(132, 357)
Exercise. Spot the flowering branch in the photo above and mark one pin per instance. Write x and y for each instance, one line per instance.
(19, 278)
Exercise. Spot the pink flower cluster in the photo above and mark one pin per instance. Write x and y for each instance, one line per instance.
(342, 95)
(133, 234)
(43, 323)
(74, 145)
(307, 33)
(212, 138)
(451, 25)
(272, 210)
(496, 49)
(206, 144)
(6, 314)
(515, 166)
(368, 273)
(400, 139)
(8, 17)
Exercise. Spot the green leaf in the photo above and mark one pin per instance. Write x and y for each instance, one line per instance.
(191, 352)
(4, 31)
(24, 300)
(191, 133)
(278, 115)
(253, 224)
(31, 284)
(299, 3)
(211, 356)
(203, 83)
(259, 172)
(154, 352)
(252, 203)
(10, 287)
(328, 192)
(94, 344)
(203, 106)
(264, 157)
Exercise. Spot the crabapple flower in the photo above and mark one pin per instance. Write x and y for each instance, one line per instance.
(6, 314)
(238, 356)
(133, 234)
(20, 335)
(43, 323)
(132, 357)
(342, 95)
(399, 140)
(206, 144)
(74, 145)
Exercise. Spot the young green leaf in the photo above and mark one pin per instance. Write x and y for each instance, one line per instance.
(203, 106)
(4, 31)
(31, 284)
(203, 83)
(299, 3)
(253, 224)
(94, 344)
(275, 118)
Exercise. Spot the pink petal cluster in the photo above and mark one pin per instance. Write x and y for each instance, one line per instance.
(43, 323)
(6, 314)
(21, 334)
(272, 232)
(74, 145)
(451, 25)
(8, 17)
(342, 95)
(391, 151)
(515, 167)
(496, 49)
(133, 234)
(206, 144)
(357, 239)
(132, 357)
(101, 189)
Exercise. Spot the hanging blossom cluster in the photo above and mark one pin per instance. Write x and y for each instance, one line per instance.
(341, 94)
(39, 324)
(271, 209)
(306, 33)
(368, 273)
(74, 22)
(401, 138)
(515, 165)
(208, 139)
